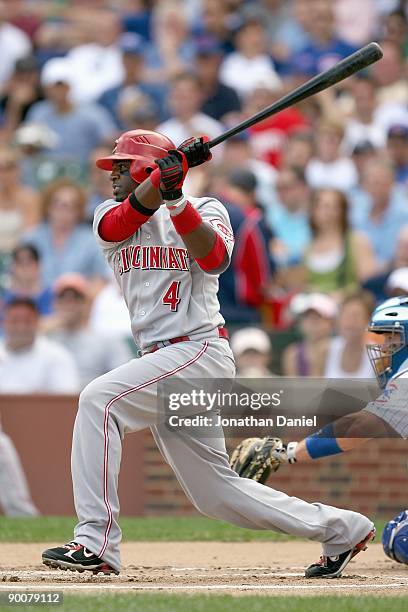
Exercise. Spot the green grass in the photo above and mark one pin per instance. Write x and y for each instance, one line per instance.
(160, 529)
(225, 603)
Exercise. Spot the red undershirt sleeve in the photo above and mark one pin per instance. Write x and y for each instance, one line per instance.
(121, 222)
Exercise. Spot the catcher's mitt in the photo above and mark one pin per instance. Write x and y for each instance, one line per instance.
(252, 458)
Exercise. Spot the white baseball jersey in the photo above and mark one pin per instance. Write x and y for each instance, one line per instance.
(392, 405)
(168, 295)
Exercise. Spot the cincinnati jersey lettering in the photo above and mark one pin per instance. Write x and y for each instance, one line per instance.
(135, 257)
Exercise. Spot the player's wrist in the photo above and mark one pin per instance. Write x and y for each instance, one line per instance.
(171, 196)
(186, 219)
(291, 451)
(139, 206)
(175, 207)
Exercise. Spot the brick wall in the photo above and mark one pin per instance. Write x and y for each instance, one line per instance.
(372, 480)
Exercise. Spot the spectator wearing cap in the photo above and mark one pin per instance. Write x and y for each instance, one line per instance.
(220, 100)
(287, 216)
(185, 100)
(24, 279)
(219, 20)
(252, 350)
(30, 363)
(65, 243)
(244, 285)
(337, 258)
(324, 48)
(132, 47)
(94, 354)
(21, 92)
(397, 147)
(315, 314)
(79, 128)
(347, 356)
(239, 153)
(362, 126)
(379, 209)
(244, 68)
(33, 142)
(362, 153)
(14, 45)
(330, 168)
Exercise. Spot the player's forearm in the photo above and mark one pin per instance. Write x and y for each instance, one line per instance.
(124, 220)
(148, 195)
(202, 241)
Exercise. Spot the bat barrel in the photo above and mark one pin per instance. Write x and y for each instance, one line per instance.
(350, 65)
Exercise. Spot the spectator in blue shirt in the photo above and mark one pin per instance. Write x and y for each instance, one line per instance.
(132, 47)
(324, 49)
(25, 279)
(397, 146)
(287, 216)
(79, 128)
(64, 242)
(219, 99)
(380, 208)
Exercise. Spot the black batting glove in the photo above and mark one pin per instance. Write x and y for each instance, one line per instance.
(173, 169)
(196, 150)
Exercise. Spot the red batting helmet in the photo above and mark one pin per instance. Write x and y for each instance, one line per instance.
(140, 146)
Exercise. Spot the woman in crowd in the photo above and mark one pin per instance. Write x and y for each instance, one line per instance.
(347, 356)
(64, 242)
(337, 258)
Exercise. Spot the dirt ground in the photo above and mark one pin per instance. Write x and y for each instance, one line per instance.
(237, 568)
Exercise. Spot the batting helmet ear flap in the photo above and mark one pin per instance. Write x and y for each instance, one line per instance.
(140, 169)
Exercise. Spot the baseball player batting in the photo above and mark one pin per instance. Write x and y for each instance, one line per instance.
(167, 250)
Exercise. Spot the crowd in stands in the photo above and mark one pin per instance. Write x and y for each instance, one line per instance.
(317, 195)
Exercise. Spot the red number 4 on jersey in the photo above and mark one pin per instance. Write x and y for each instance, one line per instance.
(171, 297)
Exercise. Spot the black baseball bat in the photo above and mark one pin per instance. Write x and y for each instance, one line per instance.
(350, 65)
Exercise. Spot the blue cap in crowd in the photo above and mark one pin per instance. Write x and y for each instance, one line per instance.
(131, 43)
(398, 131)
(207, 45)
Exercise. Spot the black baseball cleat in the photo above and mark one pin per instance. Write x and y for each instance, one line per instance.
(77, 558)
(332, 567)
